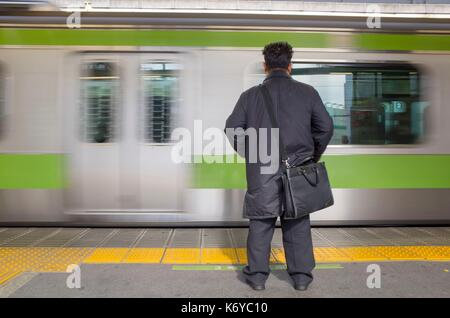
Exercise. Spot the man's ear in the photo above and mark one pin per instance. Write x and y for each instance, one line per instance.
(266, 69)
(289, 68)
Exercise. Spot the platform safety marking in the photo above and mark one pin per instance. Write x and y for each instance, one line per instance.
(6, 252)
(63, 257)
(242, 256)
(7, 275)
(25, 258)
(364, 254)
(178, 255)
(432, 253)
(219, 256)
(398, 253)
(107, 255)
(278, 255)
(144, 256)
(331, 254)
(15, 260)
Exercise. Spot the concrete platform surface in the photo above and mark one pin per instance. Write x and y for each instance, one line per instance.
(398, 279)
(206, 262)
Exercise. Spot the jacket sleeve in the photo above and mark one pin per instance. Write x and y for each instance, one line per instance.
(321, 126)
(235, 126)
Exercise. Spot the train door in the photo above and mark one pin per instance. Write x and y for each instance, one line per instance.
(120, 150)
(160, 179)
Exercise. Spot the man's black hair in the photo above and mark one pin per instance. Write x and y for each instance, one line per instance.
(277, 55)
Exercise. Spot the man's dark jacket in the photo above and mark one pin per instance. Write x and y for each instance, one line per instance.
(304, 126)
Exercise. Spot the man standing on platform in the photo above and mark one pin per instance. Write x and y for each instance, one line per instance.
(306, 129)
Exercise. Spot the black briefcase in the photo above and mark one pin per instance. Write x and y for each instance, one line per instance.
(306, 187)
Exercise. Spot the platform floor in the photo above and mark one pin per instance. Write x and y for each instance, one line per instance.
(414, 262)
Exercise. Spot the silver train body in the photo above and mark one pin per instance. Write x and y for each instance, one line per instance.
(129, 179)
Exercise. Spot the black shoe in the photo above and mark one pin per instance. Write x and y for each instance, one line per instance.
(301, 287)
(255, 286)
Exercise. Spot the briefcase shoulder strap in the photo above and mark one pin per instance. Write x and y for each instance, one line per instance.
(268, 104)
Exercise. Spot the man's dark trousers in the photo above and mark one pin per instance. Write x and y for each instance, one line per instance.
(297, 245)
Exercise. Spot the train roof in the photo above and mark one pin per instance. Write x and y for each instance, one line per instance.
(339, 16)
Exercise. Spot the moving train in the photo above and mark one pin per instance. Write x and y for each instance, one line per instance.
(87, 115)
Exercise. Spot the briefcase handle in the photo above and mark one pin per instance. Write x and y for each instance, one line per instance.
(303, 172)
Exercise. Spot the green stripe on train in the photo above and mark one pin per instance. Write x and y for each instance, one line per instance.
(158, 37)
(405, 42)
(31, 171)
(20, 171)
(346, 171)
(217, 38)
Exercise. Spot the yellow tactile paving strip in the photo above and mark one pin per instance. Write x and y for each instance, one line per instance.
(7, 275)
(242, 256)
(355, 253)
(181, 256)
(144, 255)
(219, 256)
(107, 255)
(277, 256)
(15, 260)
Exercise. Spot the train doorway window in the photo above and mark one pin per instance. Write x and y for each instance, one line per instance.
(160, 86)
(370, 103)
(99, 95)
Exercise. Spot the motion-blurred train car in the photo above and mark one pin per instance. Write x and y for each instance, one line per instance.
(86, 115)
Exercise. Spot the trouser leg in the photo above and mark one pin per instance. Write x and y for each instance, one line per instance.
(298, 249)
(259, 240)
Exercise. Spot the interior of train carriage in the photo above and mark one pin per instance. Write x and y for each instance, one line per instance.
(370, 103)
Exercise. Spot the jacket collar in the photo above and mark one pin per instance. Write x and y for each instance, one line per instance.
(277, 73)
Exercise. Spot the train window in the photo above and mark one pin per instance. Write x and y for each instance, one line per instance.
(160, 80)
(371, 104)
(99, 94)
